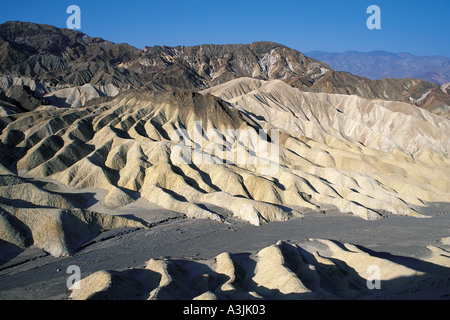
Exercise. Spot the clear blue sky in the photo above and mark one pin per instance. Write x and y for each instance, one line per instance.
(421, 27)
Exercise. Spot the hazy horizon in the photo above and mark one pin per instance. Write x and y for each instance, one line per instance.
(330, 26)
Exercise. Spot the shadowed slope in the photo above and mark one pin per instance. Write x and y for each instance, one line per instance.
(60, 58)
(365, 157)
(317, 269)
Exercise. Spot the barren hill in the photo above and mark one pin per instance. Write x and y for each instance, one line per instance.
(313, 269)
(61, 58)
(365, 157)
(96, 136)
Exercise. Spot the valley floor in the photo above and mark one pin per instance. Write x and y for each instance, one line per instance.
(33, 274)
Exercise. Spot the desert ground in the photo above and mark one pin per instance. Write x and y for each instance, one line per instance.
(405, 244)
(215, 172)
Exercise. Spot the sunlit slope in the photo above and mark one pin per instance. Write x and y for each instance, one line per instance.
(365, 157)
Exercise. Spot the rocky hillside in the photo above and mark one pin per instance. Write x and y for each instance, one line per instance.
(100, 141)
(61, 58)
(311, 270)
(185, 151)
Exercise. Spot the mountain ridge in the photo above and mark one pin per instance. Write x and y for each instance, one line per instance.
(205, 157)
(377, 64)
(65, 58)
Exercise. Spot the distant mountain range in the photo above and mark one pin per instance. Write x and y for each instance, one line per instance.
(106, 147)
(49, 59)
(383, 64)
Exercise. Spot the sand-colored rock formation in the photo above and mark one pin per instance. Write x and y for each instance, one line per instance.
(365, 157)
(32, 214)
(59, 232)
(49, 58)
(352, 150)
(76, 97)
(315, 269)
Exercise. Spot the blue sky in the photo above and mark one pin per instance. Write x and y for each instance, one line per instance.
(416, 26)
